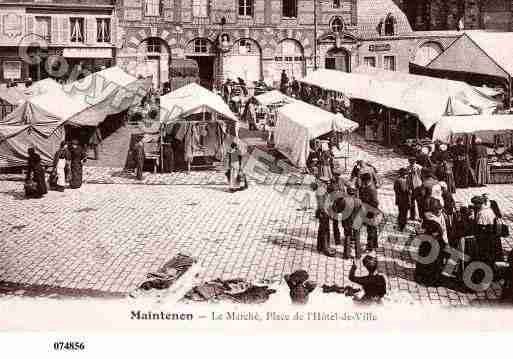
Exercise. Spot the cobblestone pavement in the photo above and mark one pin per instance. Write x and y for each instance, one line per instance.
(104, 239)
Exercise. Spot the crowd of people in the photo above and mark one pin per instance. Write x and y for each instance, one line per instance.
(67, 168)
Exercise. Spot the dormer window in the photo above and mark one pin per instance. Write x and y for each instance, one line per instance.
(337, 24)
(390, 23)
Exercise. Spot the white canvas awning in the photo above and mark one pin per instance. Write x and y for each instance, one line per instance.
(273, 97)
(192, 99)
(299, 122)
(428, 99)
(484, 126)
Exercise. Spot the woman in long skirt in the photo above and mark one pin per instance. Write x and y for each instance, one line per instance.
(480, 163)
(444, 170)
(61, 173)
(234, 158)
(35, 186)
(78, 156)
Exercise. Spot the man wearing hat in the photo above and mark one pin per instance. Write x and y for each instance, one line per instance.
(348, 209)
(423, 158)
(369, 196)
(414, 183)
(402, 197)
(323, 230)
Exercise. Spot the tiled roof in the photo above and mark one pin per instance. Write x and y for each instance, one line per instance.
(371, 12)
(497, 45)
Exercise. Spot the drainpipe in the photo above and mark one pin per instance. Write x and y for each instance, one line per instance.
(315, 34)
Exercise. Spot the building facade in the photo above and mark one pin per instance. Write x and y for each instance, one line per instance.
(52, 36)
(257, 39)
(445, 14)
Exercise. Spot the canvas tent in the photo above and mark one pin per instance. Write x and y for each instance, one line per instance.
(484, 126)
(429, 101)
(299, 123)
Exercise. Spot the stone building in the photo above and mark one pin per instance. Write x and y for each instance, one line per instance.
(36, 36)
(257, 39)
(445, 14)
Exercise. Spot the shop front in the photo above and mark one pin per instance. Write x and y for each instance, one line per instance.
(88, 59)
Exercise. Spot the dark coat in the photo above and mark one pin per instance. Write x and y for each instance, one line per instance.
(402, 192)
(36, 173)
(369, 195)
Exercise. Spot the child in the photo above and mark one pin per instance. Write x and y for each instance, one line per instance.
(300, 287)
(374, 285)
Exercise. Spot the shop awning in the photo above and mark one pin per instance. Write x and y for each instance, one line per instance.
(189, 100)
(87, 53)
(427, 98)
(484, 126)
(299, 122)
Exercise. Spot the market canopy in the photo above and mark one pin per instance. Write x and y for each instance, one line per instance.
(104, 93)
(418, 95)
(484, 126)
(16, 95)
(299, 122)
(273, 97)
(192, 99)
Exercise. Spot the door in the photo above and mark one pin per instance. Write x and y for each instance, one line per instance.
(337, 59)
(206, 70)
(153, 67)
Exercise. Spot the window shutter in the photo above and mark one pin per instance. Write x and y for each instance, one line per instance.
(30, 26)
(168, 10)
(186, 10)
(113, 31)
(90, 25)
(65, 32)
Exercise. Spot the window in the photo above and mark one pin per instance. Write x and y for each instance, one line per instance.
(200, 8)
(336, 4)
(153, 45)
(246, 8)
(12, 70)
(290, 8)
(201, 46)
(245, 47)
(389, 63)
(153, 7)
(390, 25)
(103, 30)
(43, 26)
(77, 29)
(369, 61)
(337, 24)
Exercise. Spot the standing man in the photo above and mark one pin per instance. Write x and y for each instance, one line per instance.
(402, 197)
(348, 210)
(284, 82)
(414, 183)
(369, 196)
(94, 142)
(78, 157)
(139, 159)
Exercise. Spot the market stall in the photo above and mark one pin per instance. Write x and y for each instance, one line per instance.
(194, 123)
(495, 131)
(267, 106)
(299, 123)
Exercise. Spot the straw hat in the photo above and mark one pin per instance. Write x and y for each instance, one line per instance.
(425, 150)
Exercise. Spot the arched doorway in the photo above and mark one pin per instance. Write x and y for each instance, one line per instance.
(427, 52)
(290, 57)
(338, 59)
(153, 60)
(203, 52)
(245, 61)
